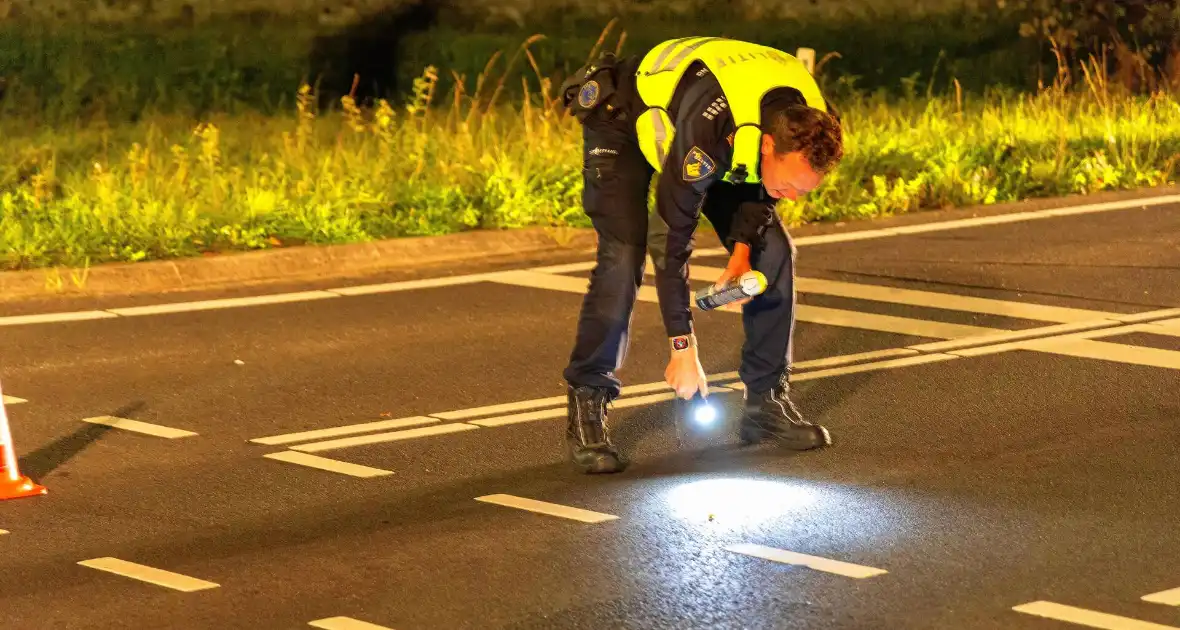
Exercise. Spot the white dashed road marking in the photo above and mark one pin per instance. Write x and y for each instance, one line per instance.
(391, 436)
(1084, 617)
(330, 465)
(1168, 598)
(345, 623)
(140, 427)
(542, 507)
(13, 400)
(813, 562)
(344, 430)
(148, 574)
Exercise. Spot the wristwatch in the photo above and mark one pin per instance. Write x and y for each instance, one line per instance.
(683, 343)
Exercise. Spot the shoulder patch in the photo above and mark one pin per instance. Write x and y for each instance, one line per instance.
(698, 165)
(588, 96)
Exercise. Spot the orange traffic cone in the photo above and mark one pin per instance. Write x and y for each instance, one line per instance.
(13, 485)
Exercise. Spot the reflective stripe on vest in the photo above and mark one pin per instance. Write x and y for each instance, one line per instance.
(746, 73)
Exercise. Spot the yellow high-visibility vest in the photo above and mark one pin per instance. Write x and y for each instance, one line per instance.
(746, 73)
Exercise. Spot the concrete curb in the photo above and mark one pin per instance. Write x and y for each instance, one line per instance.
(413, 253)
(296, 263)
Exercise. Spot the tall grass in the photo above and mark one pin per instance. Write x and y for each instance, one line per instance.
(448, 161)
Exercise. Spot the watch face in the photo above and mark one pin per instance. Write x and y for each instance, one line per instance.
(680, 343)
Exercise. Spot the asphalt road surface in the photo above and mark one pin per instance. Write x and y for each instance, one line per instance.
(1004, 402)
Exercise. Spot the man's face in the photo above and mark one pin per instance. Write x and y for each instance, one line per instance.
(789, 176)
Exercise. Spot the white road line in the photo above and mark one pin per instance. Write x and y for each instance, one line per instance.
(542, 507)
(1141, 317)
(1117, 352)
(949, 301)
(344, 623)
(872, 367)
(391, 436)
(832, 361)
(1010, 336)
(463, 414)
(863, 367)
(13, 400)
(813, 562)
(621, 403)
(4, 531)
(930, 299)
(148, 574)
(411, 285)
(1084, 617)
(1169, 597)
(1170, 327)
(331, 465)
(140, 427)
(803, 313)
(54, 318)
(517, 418)
(183, 307)
(888, 323)
(350, 429)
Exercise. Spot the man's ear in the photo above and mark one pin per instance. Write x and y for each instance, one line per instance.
(767, 144)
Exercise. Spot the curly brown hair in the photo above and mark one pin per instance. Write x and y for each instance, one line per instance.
(816, 133)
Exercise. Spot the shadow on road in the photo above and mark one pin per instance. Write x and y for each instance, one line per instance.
(50, 457)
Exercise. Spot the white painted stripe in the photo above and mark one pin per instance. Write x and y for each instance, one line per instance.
(52, 318)
(517, 418)
(4, 531)
(324, 463)
(542, 507)
(1117, 352)
(987, 306)
(1009, 336)
(1128, 204)
(931, 299)
(1084, 617)
(813, 562)
(1146, 316)
(148, 574)
(803, 313)
(13, 400)
(891, 364)
(463, 414)
(1170, 597)
(344, 623)
(620, 403)
(203, 305)
(887, 323)
(350, 429)
(140, 427)
(411, 285)
(1169, 327)
(391, 436)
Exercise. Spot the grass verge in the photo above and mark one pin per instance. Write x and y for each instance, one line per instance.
(163, 187)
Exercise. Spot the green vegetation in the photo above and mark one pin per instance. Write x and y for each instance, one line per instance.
(171, 148)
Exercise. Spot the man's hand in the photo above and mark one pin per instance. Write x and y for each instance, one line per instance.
(684, 372)
(739, 263)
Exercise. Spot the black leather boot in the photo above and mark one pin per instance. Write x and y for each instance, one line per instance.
(772, 416)
(587, 435)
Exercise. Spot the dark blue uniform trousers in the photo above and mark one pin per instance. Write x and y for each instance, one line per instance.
(617, 180)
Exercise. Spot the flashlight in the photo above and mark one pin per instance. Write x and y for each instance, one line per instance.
(701, 410)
